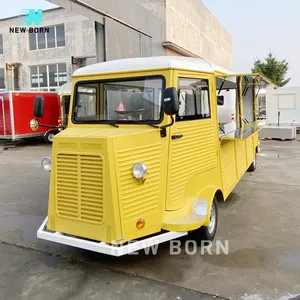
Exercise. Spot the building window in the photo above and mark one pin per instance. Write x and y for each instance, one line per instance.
(60, 35)
(48, 77)
(1, 43)
(52, 39)
(2, 79)
(193, 99)
(51, 43)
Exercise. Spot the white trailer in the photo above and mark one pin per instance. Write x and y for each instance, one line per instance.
(226, 111)
(283, 106)
(282, 112)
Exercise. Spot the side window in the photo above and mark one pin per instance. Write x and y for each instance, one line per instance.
(86, 107)
(193, 99)
(220, 100)
(186, 103)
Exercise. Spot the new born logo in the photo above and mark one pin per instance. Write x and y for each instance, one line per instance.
(30, 17)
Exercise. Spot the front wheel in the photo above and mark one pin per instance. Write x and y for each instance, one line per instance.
(207, 233)
(49, 136)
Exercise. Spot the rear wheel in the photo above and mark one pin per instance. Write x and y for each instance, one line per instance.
(252, 167)
(207, 233)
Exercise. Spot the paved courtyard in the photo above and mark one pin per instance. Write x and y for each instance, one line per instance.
(260, 221)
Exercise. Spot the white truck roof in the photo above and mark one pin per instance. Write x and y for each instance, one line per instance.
(65, 89)
(151, 63)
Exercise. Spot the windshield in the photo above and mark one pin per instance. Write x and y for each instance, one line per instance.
(129, 101)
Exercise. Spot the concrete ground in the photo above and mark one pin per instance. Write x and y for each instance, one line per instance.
(260, 221)
(27, 274)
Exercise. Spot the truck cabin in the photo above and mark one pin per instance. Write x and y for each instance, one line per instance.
(142, 154)
(64, 94)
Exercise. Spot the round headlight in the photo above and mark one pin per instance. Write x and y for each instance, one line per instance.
(34, 125)
(139, 170)
(46, 164)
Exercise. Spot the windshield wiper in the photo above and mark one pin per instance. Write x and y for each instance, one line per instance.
(145, 123)
(151, 125)
(114, 125)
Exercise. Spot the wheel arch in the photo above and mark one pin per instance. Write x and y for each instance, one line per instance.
(209, 193)
(47, 133)
(219, 195)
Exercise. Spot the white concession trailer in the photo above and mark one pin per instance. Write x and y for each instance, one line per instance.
(283, 106)
(282, 112)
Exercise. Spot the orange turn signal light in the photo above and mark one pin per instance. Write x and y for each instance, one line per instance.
(140, 223)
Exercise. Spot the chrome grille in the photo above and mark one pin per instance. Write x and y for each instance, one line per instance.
(79, 187)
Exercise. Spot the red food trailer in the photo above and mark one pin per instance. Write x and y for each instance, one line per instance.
(16, 111)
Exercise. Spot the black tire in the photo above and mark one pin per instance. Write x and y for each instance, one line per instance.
(207, 233)
(49, 136)
(252, 167)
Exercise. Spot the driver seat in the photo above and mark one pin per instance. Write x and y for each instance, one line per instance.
(136, 101)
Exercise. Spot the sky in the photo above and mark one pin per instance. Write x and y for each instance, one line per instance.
(257, 27)
(13, 7)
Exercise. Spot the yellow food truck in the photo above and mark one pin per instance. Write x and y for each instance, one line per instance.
(144, 159)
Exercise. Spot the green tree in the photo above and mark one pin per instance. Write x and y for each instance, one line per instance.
(272, 68)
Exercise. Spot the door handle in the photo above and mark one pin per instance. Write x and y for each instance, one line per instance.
(177, 136)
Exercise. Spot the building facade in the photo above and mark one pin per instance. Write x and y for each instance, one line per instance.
(43, 60)
(84, 32)
(192, 30)
(156, 27)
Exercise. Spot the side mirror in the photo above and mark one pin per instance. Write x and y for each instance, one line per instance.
(38, 107)
(220, 100)
(170, 101)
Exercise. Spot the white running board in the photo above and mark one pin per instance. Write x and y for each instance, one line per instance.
(102, 247)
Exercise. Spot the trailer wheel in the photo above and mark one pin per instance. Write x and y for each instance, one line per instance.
(49, 136)
(252, 167)
(207, 233)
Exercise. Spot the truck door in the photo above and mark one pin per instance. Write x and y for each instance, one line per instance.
(193, 137)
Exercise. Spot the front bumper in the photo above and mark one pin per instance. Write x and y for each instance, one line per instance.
(102, 247)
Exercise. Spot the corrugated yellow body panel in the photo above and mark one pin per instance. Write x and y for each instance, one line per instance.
(141, 198)
(255, 140)
(241, 162)
(228, 166)
(236, 156)
(136, 198)
(250, 150)
(194, 153)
